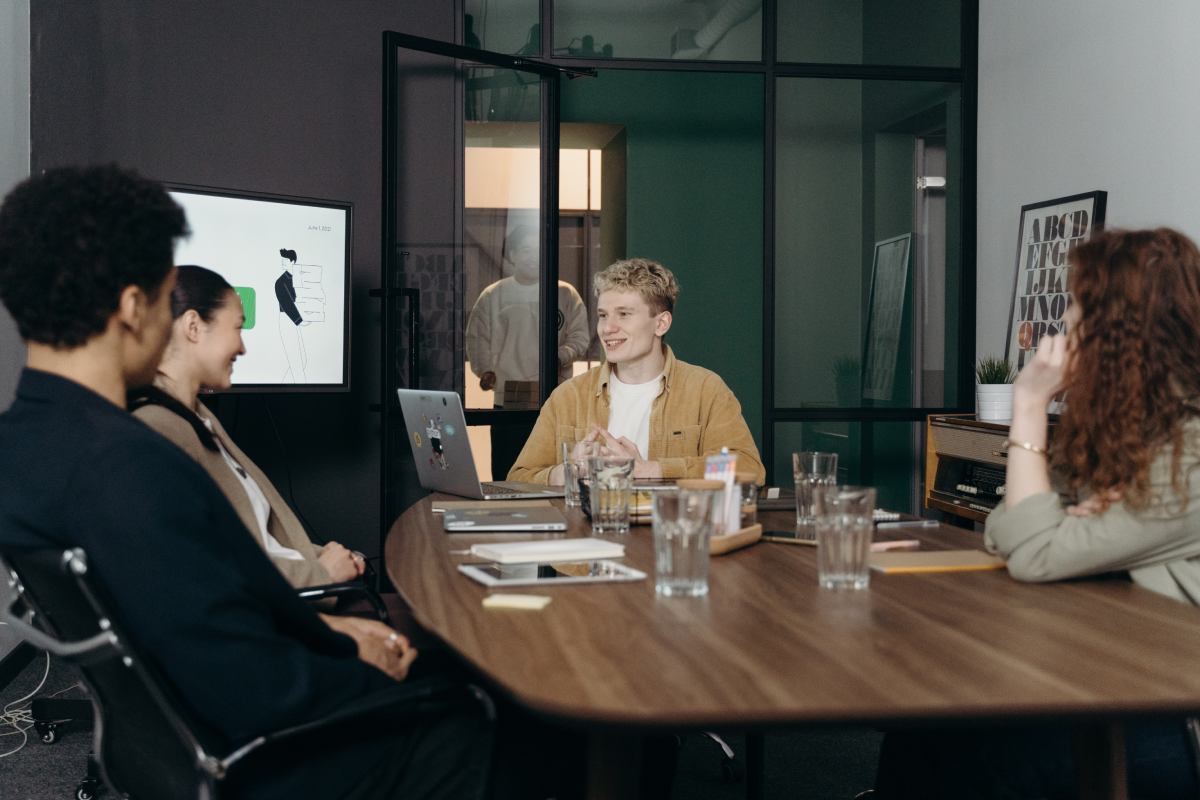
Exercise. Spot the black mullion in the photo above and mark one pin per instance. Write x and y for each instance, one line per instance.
(387, 262)
(769, 41)
(869, 72)
(485, 57)
(967, 258)
(860, 414)
(548, 372)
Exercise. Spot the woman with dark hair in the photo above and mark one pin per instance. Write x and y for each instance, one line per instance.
(206, 339)
(1125, 452)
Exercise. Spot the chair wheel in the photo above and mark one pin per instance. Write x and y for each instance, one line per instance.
(47, 732)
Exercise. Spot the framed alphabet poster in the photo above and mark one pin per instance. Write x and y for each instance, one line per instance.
(1049, 231)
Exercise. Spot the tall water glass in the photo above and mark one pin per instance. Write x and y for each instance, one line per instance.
(811, 469)
(845, 522)
(683, 522)
(610, 494)
(571, 475)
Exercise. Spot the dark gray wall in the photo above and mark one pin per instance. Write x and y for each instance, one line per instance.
(14, 166)
(14, 159)
(260, 95)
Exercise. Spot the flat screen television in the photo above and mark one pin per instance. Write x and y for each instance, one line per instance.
(289, 259)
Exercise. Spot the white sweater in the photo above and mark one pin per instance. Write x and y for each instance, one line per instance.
(502, 332)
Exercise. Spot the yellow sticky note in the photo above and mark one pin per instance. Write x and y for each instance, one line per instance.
(529, 602)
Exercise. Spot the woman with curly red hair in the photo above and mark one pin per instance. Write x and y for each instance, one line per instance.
(1128, 443)
(1125, 453)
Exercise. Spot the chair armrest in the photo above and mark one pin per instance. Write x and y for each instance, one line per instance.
(411, 699)
(103, 643)
(349, 588)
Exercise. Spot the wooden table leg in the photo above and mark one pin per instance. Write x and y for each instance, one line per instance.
(1100, 761)
(614, 764)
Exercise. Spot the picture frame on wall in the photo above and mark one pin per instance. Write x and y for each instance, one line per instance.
(1047, 234)
(885, 315)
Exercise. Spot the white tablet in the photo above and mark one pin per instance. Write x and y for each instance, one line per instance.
(491, 574)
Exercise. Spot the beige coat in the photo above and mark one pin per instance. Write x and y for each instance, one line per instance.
(694, 416)
(283, 523)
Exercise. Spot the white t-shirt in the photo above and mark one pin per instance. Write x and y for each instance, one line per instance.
(258, 501)
(629, 415)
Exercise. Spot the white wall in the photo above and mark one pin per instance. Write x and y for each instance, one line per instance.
(1076, 95)
(14, 156)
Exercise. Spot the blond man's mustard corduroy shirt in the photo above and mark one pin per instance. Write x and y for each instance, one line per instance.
(694, 416)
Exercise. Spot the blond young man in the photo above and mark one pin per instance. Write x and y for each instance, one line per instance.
(643, 402)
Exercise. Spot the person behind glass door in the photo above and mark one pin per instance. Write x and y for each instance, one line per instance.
(503, 338)
(1127, 451)
(290, 319)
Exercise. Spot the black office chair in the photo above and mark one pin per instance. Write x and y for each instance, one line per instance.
(147, 741)
(51, 715)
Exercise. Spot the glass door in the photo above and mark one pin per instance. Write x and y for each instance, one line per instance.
(470, 274)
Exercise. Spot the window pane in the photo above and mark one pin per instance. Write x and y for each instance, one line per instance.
(679, 29)
(503, 26)
(919, 33)
(886, 455)
(683, 185)
(867, 243)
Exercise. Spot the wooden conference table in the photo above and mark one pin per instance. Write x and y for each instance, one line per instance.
(767, 647)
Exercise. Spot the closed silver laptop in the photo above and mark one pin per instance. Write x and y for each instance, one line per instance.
(437, 431)
(503, 517)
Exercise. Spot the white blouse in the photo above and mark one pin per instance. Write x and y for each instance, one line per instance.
(258, 501)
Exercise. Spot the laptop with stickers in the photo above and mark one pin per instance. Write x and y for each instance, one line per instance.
(437, 431)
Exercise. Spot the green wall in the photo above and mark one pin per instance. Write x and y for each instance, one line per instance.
(694, 202)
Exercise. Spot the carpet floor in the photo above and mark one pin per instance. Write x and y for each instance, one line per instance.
(799, 765)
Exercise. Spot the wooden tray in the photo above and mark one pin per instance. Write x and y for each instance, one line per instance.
(728, 542)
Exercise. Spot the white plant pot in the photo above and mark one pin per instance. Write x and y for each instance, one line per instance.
(993, 402)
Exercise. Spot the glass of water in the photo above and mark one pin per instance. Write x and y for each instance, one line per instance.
(811, 469)
(610, 493)
(571, 475)
(683, 523)
(845, 523)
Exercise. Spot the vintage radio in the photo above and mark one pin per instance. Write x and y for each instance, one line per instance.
(964, 465)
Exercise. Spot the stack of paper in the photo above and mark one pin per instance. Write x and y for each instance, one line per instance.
(548, 551)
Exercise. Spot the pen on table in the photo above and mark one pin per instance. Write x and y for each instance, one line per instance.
(907, 523)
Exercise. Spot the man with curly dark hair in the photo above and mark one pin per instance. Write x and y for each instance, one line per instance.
(86, 271)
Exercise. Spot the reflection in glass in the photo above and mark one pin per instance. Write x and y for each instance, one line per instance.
(867, 196)
(726, 30)
(501, 269)
(502, 26)
(918, 33)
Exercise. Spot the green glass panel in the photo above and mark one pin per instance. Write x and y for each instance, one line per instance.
(693, 166)
(886, 455)
(668, 29)
(502, 26)
(867, 261)
(919, 33)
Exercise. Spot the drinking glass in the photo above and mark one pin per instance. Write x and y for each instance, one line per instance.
(845, 522)
(571, 475)
(810, 469)
(683, 522)
(610, 493)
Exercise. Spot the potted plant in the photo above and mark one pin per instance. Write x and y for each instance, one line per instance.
(994, 377)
